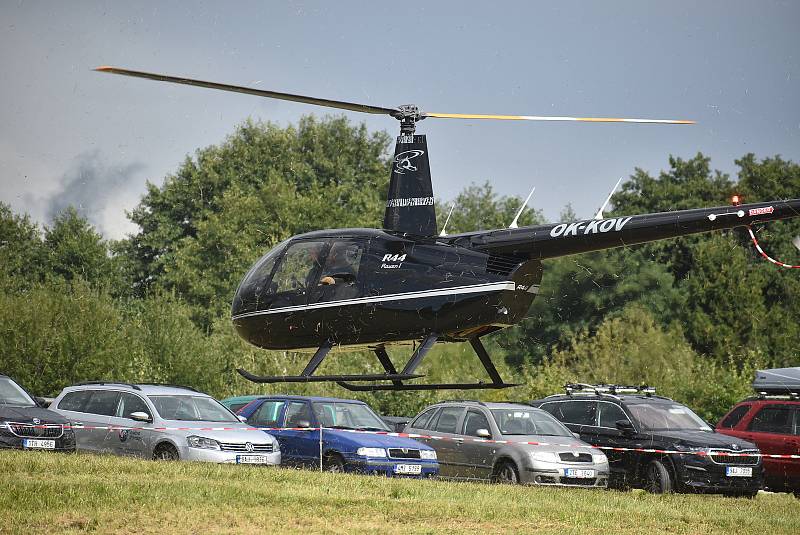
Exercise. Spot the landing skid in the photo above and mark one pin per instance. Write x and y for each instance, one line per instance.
(396, 378)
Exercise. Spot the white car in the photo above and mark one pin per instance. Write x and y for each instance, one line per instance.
(161, 422)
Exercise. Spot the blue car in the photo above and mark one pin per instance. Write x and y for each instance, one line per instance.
(342, 448)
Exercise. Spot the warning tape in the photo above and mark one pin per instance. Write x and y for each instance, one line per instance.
(765, 255)
(712, 452)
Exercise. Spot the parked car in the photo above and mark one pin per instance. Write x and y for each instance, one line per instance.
(341, 449)
(25, 424)
(236, 403)
(612, 416)
(772, 421)
(161, 422)
(564, 461)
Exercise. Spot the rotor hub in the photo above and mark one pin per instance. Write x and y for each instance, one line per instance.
(408, 115)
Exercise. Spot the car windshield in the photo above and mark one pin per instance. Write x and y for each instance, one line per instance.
(666, 417)
(12, 394)
(347, 416)
(191, 409)
(528, 422)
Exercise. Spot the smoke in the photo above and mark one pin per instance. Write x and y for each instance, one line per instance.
(92, 186)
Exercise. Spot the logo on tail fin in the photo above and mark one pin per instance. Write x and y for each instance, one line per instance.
(402, 162)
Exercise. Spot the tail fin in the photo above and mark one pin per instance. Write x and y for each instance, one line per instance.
(410, 205)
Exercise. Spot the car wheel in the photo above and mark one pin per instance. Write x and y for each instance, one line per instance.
(507, 473)
(165, 452)
(657, 478)
(333, 463)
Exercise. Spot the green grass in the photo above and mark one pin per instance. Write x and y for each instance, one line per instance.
(52, 493)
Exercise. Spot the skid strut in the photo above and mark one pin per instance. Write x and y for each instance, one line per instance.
(416, 359)
(307, 375)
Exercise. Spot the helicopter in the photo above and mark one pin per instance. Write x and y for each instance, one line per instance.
(408, 284)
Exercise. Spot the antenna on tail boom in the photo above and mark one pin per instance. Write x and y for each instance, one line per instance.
(521, 208)
(599, 214)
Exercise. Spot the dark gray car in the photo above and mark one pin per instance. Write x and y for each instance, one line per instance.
(492, 441)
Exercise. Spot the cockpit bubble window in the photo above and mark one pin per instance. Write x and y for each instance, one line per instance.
(299, 267)
(257, 284)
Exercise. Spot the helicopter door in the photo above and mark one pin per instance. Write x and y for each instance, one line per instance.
(298, 273)
(338, 280)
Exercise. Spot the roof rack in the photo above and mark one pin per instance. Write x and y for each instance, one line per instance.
(584, 388)
(171, 385)
(790, 395)
(115, 383)
(462, 401)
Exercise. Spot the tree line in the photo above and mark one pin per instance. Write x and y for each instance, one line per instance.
(693, 316)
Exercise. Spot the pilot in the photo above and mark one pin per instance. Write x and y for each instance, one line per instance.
(340, 265)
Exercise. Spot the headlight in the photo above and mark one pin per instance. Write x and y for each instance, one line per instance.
(202, 443)
(545, 456)
(691, 449)
(371, 452)
(599, 458)
(427, 454)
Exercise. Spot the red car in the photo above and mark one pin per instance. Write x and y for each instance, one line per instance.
(774, 425)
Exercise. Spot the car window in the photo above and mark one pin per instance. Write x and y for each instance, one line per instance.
(103, 402)
(573, 412)
(12, 394)
(448, 420)
(475, 420)
(776, 420)
(734, 417)
(191, 408)
(666, 417)
(423, 419)
(130, 403)
(296, 412)
(235, 407)
(268, 414)
(528, 421)
(75, 401)
(348, 415)
(609, 414)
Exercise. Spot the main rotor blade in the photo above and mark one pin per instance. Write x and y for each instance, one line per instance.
(351, 106)
(550, 118)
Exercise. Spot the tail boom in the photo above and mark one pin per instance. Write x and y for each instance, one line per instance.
(562, 239)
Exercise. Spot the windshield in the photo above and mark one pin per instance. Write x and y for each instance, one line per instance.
(528, 422)
(665, 417)
(12, 394)
(191, 409)
(347, 416)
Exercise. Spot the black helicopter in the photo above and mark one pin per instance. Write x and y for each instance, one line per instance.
(406, 283)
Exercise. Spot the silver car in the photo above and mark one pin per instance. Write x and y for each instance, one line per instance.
(161, 422)
(488, 441)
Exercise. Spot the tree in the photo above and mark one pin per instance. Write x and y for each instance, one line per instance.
(21, 252)
(75, 250)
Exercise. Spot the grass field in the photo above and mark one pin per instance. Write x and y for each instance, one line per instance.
(52, 493)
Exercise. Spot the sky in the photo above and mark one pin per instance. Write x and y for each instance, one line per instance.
(69, 135)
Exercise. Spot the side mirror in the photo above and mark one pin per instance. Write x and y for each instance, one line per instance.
(625, 426)
(483, 433)
(140, 417)
(43, 402)
(577, 435)
(303, 423)
(241, 418)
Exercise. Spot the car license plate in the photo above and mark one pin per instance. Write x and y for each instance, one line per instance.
(39, 444)
(251, 459)
(579, 473)
(738, 471)
(408, 469)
